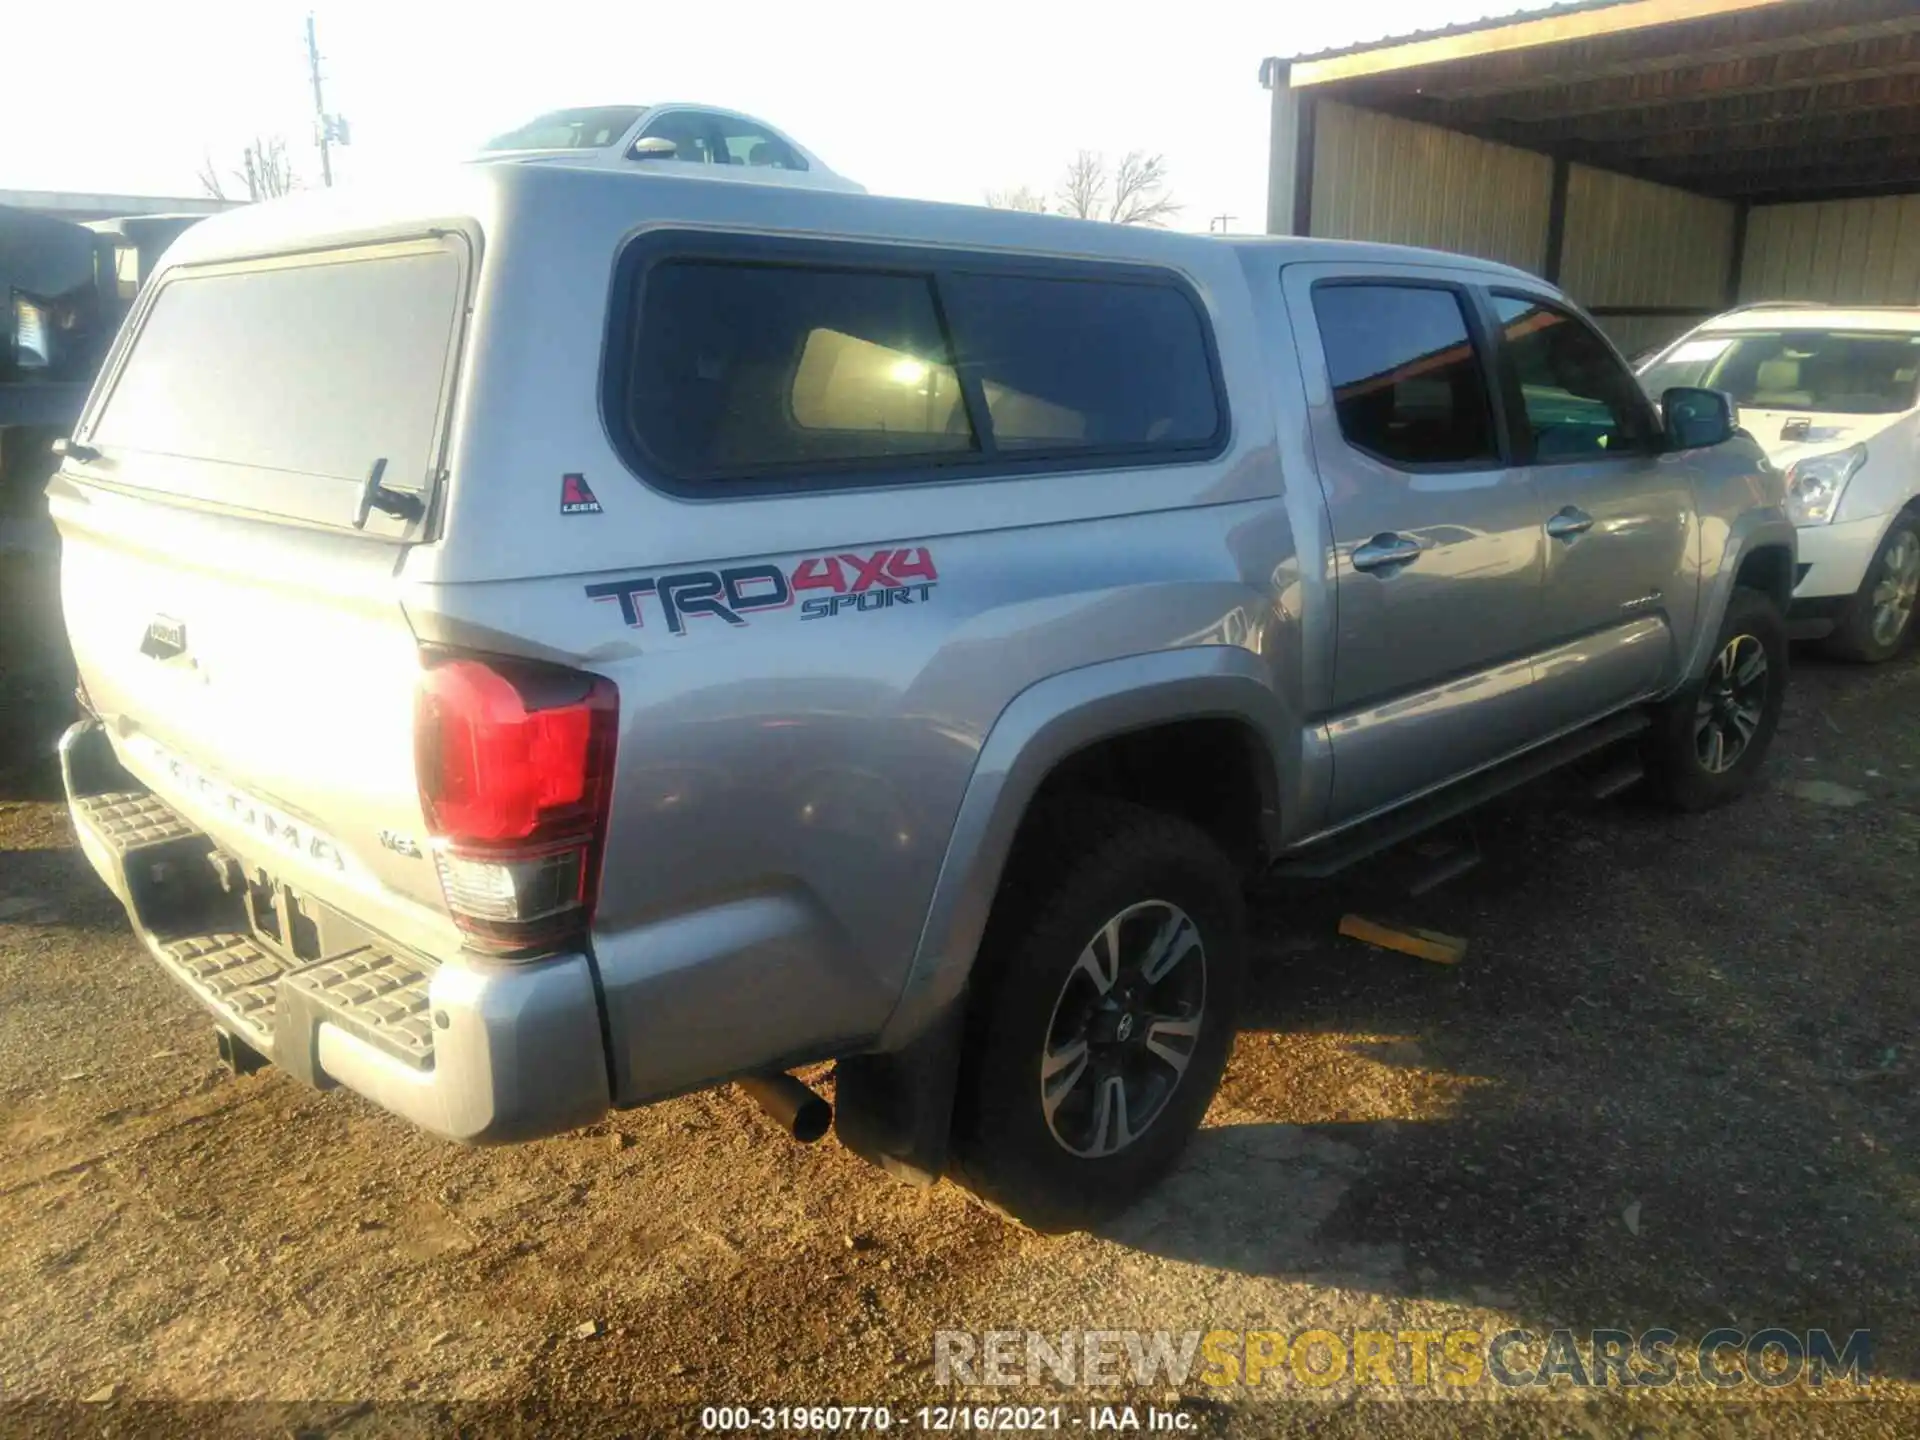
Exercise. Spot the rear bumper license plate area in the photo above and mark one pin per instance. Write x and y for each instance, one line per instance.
(506, 1055)
(244, 943)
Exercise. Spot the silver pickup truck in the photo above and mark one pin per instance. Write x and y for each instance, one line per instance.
(564, 638)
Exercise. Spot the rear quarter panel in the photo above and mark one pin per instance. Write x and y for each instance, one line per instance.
(786, 789)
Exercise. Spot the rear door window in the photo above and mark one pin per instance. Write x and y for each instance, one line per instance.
(288, 374)
(1408, 383)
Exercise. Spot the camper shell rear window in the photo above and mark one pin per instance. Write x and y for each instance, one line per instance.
(740, 365)
(276, 385)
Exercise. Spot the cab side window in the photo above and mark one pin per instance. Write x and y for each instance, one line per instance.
(1408, 385)
(1577, 401)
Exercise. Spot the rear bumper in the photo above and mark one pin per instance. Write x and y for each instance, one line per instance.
(473, 1052)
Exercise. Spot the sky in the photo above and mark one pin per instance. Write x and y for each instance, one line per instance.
(934, 102)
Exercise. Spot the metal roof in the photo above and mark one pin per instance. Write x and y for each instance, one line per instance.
(1757, 100)
(1902, 319)
(1463, 27)
(73, 205)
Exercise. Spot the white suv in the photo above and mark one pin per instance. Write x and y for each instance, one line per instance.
(1833, 396)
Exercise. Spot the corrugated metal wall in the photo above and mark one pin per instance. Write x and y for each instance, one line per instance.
(1637, 334)
(1630, 243)
(1847, 252)
(1377, 177)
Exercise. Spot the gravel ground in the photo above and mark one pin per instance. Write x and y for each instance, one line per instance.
(1671, 1085)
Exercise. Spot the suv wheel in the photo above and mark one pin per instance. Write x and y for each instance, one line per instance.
(1708, 742)
(1880, 617)
(1102, 1014)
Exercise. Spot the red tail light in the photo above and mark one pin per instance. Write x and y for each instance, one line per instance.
(516, 770)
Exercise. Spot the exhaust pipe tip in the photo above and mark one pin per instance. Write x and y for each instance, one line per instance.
(798, 1110)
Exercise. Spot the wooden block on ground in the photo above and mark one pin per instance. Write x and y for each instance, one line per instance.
(1407, 939)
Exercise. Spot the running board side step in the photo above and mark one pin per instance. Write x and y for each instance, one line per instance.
(1624, 775)
(1348, 847)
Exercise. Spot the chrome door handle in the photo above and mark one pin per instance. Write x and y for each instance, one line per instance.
(1383, 551)
(1569, 523)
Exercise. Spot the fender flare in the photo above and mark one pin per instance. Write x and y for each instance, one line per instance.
(1043, 725)
(1753, 530)
(894, 1103)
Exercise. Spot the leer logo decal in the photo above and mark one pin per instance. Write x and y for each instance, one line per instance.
(576, 498)
(856, 584)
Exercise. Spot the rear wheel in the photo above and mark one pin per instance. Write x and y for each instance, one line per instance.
(1103, 1012)
(1708, 742)
(1880, 617)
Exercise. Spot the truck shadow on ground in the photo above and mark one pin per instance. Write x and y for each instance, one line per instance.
(56, 887)
(29, 771)
(1670, 1085)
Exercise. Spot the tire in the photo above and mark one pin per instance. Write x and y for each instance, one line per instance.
(1686, 771)
(1085, 872)
(1879, 620)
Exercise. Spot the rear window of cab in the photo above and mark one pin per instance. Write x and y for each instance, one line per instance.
(780, 366)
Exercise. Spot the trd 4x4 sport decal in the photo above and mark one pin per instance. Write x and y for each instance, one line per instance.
(855, 584)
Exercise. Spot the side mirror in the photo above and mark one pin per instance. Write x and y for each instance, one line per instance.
(653, 147)
(1696, 419)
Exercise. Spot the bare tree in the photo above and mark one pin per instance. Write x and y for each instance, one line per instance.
(268, 171)
(264, 169)
(1140, 191)
(209, 177)
(1134, 192)
(1021, 197)
(1083, 190)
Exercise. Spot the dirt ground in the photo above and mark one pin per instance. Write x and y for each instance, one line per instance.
(1671, 1085)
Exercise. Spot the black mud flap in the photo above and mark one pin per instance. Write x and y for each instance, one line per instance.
(896, 1110)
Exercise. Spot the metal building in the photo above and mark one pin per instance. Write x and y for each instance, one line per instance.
(1660, 159)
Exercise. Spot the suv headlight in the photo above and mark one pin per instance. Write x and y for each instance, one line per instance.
(1815, 484)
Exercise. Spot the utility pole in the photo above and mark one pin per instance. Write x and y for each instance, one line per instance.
(1223, 221)
(323, 124)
